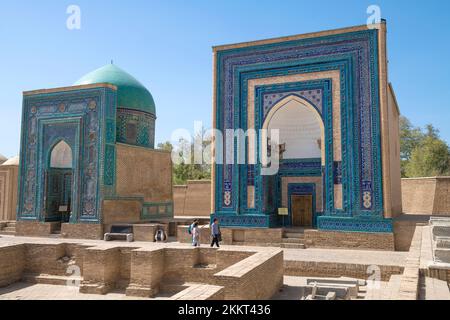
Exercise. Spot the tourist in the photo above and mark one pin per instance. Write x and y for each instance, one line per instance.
(215, 233)
(195, 235)
(191, 226)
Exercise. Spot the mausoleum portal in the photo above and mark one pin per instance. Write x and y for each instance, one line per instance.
(327, 95)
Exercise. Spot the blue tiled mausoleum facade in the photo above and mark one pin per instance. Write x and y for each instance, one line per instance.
(338, 75)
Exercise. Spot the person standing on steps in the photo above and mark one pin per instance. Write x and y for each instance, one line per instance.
(215, 233)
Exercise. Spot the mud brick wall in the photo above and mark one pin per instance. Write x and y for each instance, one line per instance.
(82, 231)
(121, 211)
(45, 259)
(249, 280)
(34, 228)
(354, 240)
(331, 269)
(12, 264)
(144, 173)
(101, 270)
(428, 195)
(226, 258)
(146, 272)
(201, 292)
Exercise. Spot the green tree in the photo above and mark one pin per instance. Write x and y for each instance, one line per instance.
(422, 151)
(187, 169)
(431, 158)
(166, 146)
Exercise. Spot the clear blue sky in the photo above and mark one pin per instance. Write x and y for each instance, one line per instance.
(167, 46)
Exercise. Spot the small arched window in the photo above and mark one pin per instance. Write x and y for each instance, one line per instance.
(61, 156)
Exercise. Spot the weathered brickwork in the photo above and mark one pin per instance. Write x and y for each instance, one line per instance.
(331, 269)
(82, 230)
(12, 264)
(426, 195)
(147, 269)
(34, 228)
(355, 240)
(193, 199)
(197, 273)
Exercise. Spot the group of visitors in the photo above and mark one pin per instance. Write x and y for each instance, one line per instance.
(216, 236)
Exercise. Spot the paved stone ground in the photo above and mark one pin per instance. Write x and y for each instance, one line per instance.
(291, 290)
(389, 258)
(26, 291)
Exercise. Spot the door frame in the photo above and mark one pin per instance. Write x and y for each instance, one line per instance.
(302, 189)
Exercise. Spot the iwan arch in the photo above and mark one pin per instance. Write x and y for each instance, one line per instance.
(329, 96)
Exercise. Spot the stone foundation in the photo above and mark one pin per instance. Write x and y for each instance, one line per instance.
(351, 240)
(184, 272)
(35, 228)
(334, 269)
(82, 231)
(12, 264)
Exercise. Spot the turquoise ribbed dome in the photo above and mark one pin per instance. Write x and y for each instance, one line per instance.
(131, 94)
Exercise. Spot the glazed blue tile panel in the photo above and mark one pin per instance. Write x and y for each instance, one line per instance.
(354, 224)
(252, 221)
(355, 56)
(292, 167)
(110, 160)
(144, 125)
(83, 119)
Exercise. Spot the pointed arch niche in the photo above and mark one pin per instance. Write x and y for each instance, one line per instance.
(300, 128)
(61, 156)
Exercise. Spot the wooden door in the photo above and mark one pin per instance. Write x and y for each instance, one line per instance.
(301, 210)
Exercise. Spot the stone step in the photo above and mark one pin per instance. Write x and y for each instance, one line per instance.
(293, 245)
(443, 242)
(11, 224)
(8, 233)
(12, 229)
(292, 240)
(442, 255)
(352, 288)
(341, 280)
(54, 235)
(342, 292)
(298, 235)
(441, 231)
(52, 279)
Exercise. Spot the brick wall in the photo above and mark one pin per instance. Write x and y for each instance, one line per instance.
(354, 240)
(239, 273)
(146, 272)
(12, 264)
(101, 270)
(193, 199)
(331, 269)
(82, 230)
(428, 195)
(249, 280)
(34, 228)
(121, 211)
(144, 172)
